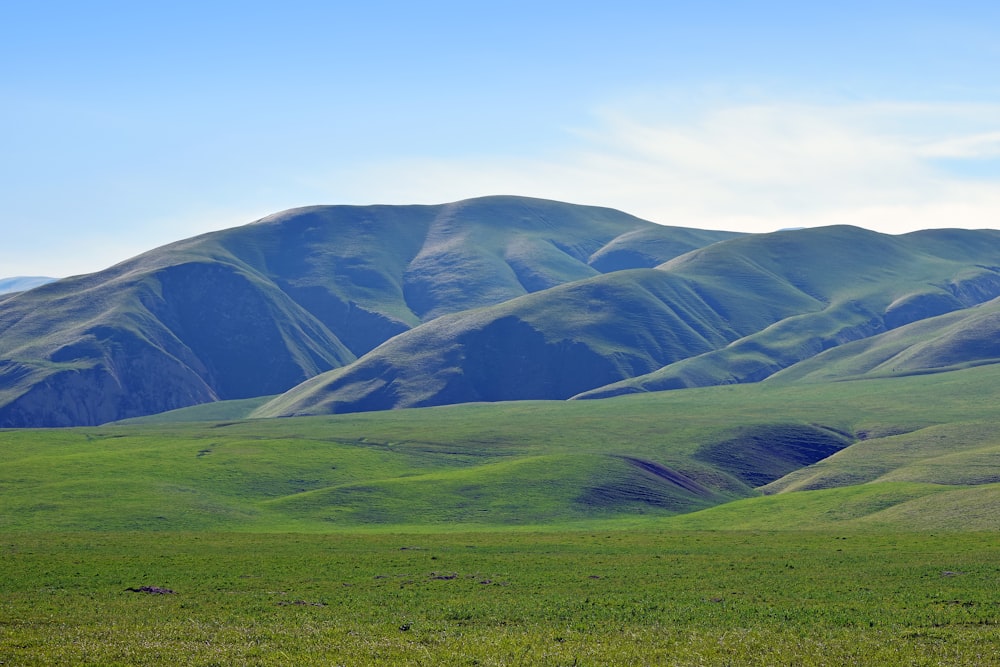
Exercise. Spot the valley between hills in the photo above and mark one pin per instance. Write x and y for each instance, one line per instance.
(570, 363)
(340, 309)
(505, 431)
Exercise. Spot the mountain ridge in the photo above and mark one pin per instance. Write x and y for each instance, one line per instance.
(766, 302)
(356, 308)
(256, 309)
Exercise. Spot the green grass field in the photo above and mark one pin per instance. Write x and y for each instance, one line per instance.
(643, 596)
(623, 531)
(531, 463)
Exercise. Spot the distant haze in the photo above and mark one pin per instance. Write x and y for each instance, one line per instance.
(20, 284)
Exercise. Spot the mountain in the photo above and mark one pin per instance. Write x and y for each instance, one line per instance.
(258, 309)
(864, 284)
(550, 345)
(361, 308)
(22, 283)
(740, 310)
(833, 377)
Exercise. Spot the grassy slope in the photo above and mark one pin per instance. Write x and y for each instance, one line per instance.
(736, 311)
(864, 283)
(726, 585)
(522, 462)
(484, 251)
(216, 411)
(257, 309)
(884, 506)
(550, 345)
(949, 341)
(147, 336)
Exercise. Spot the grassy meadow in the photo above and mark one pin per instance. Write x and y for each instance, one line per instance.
(681, 528)
(644, 596)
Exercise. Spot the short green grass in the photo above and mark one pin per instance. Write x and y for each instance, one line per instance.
(596, 597)
(535, 533)
(216, 411)
(529, 463)
(886, 505)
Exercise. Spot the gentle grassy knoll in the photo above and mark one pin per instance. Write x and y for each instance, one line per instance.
(559, 598)
(883, 505)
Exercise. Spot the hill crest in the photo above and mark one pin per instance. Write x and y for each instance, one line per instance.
(256, 309)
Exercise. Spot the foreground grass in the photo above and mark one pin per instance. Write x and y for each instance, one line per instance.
(643, 596)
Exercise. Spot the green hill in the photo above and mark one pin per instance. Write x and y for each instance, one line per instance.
(549, 345)
(736, 311)
(880, 452)
(359, 308)
(255, 310)
(954, 340)
(863, 283)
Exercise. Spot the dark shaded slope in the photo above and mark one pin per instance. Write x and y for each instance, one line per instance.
(149, 340)
(736, 311)
(550, 345)
(343, 264)
(257, 309)
(760, 454)
(631, 484)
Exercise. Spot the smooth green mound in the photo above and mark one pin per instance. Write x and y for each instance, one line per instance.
(888, 505)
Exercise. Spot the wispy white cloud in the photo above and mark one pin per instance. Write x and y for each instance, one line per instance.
(985, 145)
(748, 167)
(755, 167)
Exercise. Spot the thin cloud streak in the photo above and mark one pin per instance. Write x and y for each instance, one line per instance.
(982, 146)
(890, 167)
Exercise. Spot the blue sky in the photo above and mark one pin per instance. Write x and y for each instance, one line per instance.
(126, 126)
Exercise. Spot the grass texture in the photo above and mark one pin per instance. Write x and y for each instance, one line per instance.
(615, 532)
(599, 597)
(529, 463)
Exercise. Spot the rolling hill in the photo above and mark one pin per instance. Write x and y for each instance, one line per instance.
(334, 309)
(257, 309)
(740, 310)
(917, 453)
(550, 345)
(830, 377)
